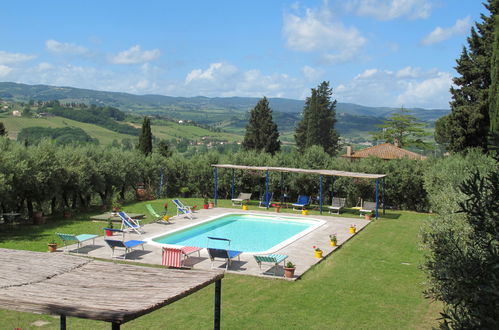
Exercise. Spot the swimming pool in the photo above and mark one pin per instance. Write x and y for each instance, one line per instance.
(250, 233)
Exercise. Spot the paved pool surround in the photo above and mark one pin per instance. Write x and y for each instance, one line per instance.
(300, 252)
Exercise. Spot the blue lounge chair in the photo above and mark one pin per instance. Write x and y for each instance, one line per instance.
(130, 224)
(79, 239)
(301, 202)
(266, 198)
(128, 245)
(274, 259)
(222, 253)
(182, 209)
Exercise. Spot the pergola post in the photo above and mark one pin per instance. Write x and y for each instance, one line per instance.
(63, 322)
(215, 173)
(332, 188)
(218, 299)
(115, 326)
(267, 201)
(320, 193)
(232, 184)
(377, 197)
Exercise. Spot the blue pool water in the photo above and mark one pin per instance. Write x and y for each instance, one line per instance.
(248, 233)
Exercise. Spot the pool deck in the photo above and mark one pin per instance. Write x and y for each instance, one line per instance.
(300, 252)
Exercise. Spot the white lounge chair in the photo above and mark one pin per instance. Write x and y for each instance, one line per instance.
(241, 198)
(182, 209)
(367, 207)
(337, 204)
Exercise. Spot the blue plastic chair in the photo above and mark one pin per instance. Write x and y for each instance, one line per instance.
(302, 201)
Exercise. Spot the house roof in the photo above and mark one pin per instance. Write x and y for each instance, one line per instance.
(385, 151)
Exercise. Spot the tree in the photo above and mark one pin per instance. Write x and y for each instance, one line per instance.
(3, 131)
(261, 132)
(402, 129)
(464, 260)
(494, 94)
(163, 148)
(145, 137)
(469, 117)
(319, 118)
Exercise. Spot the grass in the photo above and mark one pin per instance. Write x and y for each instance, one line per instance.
(373, 281)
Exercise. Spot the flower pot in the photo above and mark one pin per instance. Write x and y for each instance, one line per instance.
(211, 205)
(278, 209)
(52, 247)
(352, 230)
(38, 218)
(289, 272)
(333, 243)
(67, 214)
(140, 194)
(245, 207)
(109, 233)
(304, 212)
(318, 254)
(368, 216)
(206, 206)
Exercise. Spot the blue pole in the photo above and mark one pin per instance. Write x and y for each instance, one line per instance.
(377, 199)
(215, 173)
(332, 188)
(232, 184)
(267, 201)
(320, 194)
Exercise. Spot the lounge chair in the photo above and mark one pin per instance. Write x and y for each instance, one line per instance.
(128, 245)
(337, 204)
(222, 253)
(274, 259)
(127, 223)
(241, 198)
(182, 209)
(158, 217)
(265, 201)
(172, 257)
(79, 239)
(301, 202)
(367, 207)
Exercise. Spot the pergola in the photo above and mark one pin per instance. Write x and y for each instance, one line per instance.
(65, 285)
(321, 173)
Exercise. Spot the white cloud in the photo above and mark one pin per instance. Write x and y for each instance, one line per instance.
(216, 71)
(57, 47)
(4, 70)
(134, 55)
(317, 30)
(410, 87)
(311, 74)
(385, 10)
(10, 58)
(440, 34)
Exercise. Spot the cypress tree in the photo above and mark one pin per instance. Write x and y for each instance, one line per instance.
(261, 132)
(469, 117)
(494, 93)
(319, 118)
(145, 138)
(3, 131)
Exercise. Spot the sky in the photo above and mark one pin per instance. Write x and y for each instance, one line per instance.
(373, 52)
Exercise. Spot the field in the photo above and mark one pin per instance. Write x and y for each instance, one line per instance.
(372, 282)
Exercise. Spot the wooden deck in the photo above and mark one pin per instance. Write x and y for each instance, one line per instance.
(67, 285)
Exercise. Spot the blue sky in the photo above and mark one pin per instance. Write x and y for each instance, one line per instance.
(373, 52)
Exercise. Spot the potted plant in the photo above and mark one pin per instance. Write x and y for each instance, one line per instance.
(52, 246)
(352, 229)
(245, 205)
(66, 213)
(318, 252)
(368, 216)
(277, 207)
(211, 205)
(109, 226)
(333, 239)
(304, 211)
(205, 203)
(289, 270)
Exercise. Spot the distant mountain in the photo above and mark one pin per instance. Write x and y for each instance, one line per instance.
(197, 108)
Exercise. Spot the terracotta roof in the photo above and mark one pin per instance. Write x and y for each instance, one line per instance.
(385, 151)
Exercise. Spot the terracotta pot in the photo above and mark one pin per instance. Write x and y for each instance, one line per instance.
(211, 205)
(38, 218)
(141, 194)
(52, 247)
(368, 216)
(278, 209)
(289, 272)
(206, 206)
(67, 214)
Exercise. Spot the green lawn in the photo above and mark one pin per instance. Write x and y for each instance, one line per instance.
(372, 282)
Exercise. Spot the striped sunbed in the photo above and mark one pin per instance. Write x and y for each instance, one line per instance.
(274, 259)
(173, 257)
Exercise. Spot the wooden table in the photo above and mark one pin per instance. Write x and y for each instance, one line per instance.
(115, 217)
